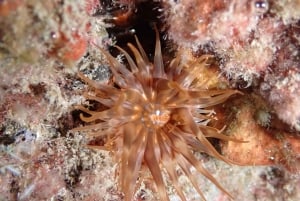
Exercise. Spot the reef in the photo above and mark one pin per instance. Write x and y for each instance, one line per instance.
(256, 41)
(253, 48)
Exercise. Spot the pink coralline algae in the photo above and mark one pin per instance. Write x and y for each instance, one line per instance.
(257, 43)
(282, 85)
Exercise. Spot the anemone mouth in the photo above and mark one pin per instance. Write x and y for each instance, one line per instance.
(159, 117)
(156, 118)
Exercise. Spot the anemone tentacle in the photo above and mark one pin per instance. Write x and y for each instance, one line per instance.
(156, 117)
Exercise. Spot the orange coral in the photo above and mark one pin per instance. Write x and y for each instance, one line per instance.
(156, 117)
(68, 49)
(8, 6)
(272, 146)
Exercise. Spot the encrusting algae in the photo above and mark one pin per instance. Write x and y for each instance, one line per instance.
(155, 117)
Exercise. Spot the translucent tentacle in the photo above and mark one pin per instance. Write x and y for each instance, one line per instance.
(154, 168)
(170, 165)
(132, 158)
(158, 71)
(186, 169)
(141, 49)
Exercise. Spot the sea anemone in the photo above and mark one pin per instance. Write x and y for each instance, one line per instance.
(155, 117)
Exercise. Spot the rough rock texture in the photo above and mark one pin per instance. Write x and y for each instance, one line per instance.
(257, 42)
